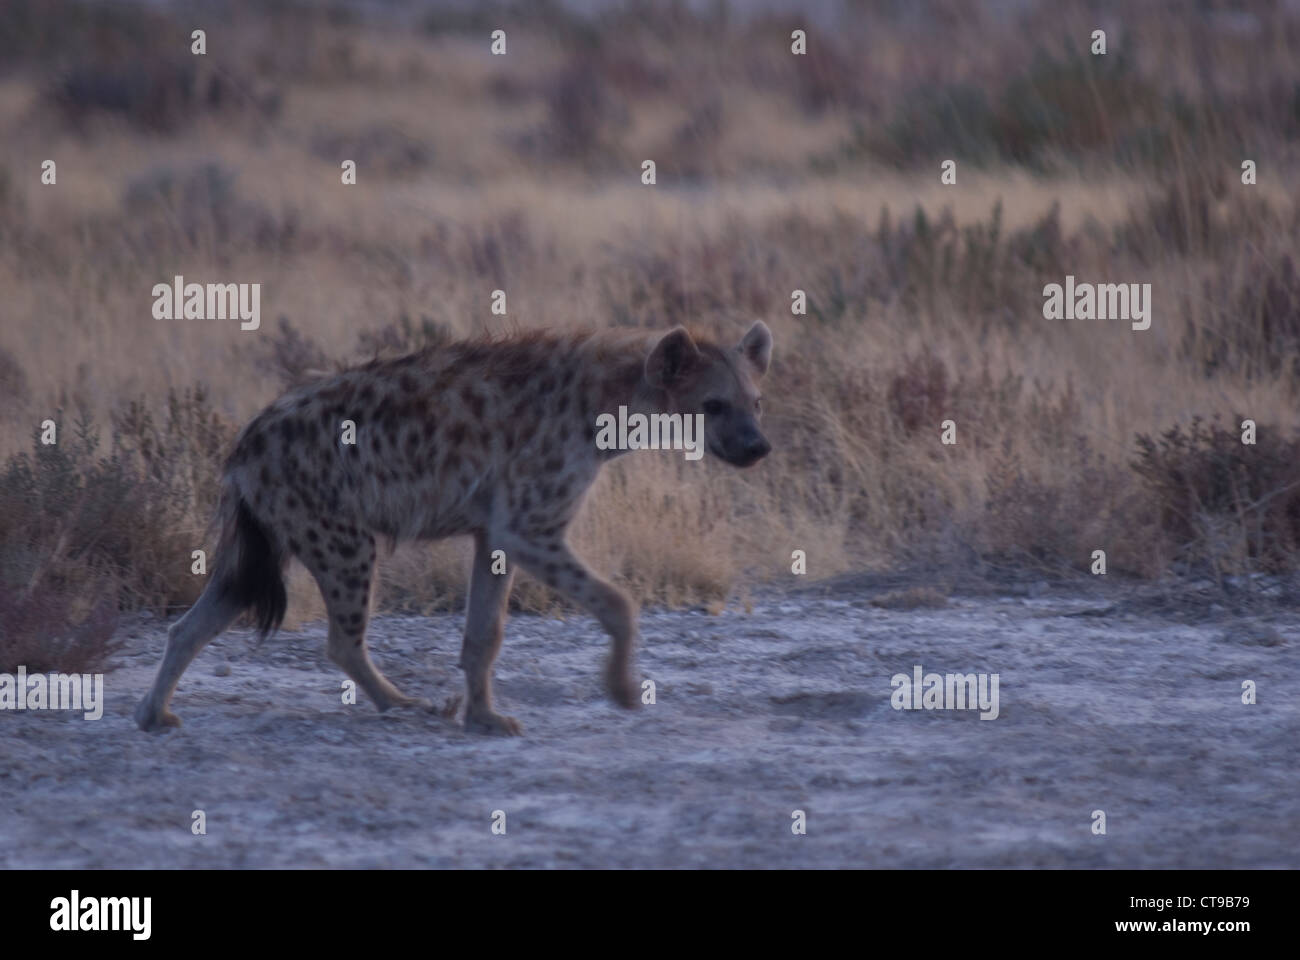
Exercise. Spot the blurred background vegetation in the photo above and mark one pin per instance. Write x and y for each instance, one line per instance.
(775, 172)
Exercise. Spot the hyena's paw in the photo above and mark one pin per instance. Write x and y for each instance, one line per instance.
(488, 721)
(155, 721)
(622, 688)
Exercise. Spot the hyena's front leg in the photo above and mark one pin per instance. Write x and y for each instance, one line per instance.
(552, 562)
(484, 628)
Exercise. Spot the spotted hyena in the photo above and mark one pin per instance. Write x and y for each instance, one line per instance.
(496, 439)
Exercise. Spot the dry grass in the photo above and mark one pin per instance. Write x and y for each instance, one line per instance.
(477, 173)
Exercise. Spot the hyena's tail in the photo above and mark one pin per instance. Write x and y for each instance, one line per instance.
(250, 564)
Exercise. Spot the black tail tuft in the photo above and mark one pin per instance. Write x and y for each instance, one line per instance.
(253, 567)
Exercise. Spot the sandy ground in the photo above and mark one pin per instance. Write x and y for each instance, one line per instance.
(1104, 704)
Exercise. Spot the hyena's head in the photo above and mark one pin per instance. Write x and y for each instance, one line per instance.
(719, 382)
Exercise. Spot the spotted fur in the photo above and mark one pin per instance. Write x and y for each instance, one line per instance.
(494, 439)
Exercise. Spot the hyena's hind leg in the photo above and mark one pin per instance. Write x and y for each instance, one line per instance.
(344, 576)
(484, 628)
(248, 576)
(215, 610)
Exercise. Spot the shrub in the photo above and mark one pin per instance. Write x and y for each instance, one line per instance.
(1253, 321)
(1226, 507)
(288, 355)
(918, 393)
(199, 207)
(116, 527)
(38, 631)
(1067, 103)
(1051, 516)
(378, 149)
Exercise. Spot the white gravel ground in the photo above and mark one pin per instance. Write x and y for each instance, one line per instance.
(758, 714)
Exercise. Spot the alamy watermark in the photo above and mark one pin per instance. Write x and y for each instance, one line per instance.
(179, 300)
(950, 691)
(654, 431)
(54, 691)
(1098, 301)
(75, 913)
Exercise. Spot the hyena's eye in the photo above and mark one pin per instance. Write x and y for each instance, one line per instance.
(758, 405)
(713, 408)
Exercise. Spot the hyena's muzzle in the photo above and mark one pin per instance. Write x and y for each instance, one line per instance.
(736, 438)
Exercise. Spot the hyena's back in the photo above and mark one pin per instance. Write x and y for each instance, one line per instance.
(436, 436)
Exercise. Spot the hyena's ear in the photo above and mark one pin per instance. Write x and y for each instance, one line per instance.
(756, 347)
(671, 359)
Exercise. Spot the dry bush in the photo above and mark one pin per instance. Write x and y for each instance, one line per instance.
(14, 388)
(156, 96)
(289, 357)
(585, 117)
(1224, 506)
(132, 63)
(402, 337)
(918, 393)
(115, 527)
(378, 150)
(694, 151)
(180, 450)
(926, 263)
(1075, 103)
(1051, 516)
(1069, 103)
(425, 578)
(707, 285)
(11, 205)
(197, 208)
(40, 631)
(1240, 302)
(45, 31)
(1250, 318)
(1188, 217)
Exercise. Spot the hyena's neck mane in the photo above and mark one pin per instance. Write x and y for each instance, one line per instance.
(617, 358)
(603, 370)
(614, 361)
(608, 366)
